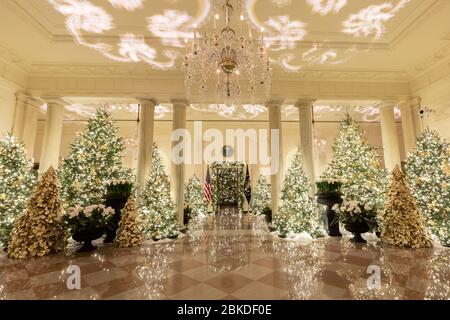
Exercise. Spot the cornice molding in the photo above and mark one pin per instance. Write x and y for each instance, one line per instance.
(164, 90)
(138, 71)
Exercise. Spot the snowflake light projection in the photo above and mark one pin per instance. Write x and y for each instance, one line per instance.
(324, 7)
(232, 111)
(129, 5)
(167, 27)
(83, 17)
(87, 21)
(371, 20)
(284, 33)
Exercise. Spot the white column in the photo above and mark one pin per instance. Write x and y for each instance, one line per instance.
(51, 143)
(305, 110)
(408, 129)
(19, 115)
(30, 126)
(179, 122)
(276, 179)
(145, 147)
(389, 136)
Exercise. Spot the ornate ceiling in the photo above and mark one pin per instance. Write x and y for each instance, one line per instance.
(324, 48)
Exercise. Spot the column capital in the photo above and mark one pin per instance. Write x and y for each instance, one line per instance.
(180, 102)
(147, 101)
(29, 100)
(54, 100)
(275, 102)
(387, 104)
(305, 103)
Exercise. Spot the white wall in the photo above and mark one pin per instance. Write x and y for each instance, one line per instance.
(7, 105)
(437, 98)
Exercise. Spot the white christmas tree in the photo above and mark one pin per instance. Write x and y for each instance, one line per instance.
(39, 231)
(17, 179)
(194, 197)
(298, 212)
(157, 206)
(357, 166)
(261, 199)
(94, 160)
(428, 174)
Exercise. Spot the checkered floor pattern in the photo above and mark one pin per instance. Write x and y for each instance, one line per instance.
(245, 263)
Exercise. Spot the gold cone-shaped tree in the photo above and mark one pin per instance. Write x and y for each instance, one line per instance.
(403, 224)
(39, 231)
(129, 233)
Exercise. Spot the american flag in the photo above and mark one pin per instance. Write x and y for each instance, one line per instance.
(207, 188)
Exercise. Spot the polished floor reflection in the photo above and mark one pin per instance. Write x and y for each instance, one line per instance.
(234, 257)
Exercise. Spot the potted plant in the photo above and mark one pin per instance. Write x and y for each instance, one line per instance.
(357, 218)
(117, 195)
(87, 223)
(267, 212)
(329, 194)
(187, 215)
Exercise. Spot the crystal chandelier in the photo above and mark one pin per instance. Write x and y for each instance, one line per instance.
(228, 56)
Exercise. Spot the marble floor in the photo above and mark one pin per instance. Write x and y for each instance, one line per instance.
(231, 258)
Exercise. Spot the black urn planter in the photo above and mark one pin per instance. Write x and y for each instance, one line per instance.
(117, 201)
(330, 199)
(86, 237)
(357, 228)
(173, 237)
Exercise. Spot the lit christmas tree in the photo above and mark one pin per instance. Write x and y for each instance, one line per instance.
(261, 199)
(194, 197)
(428, 174)
(298, 212)
(39, 231)
(357, 166)
(403, 224)
(95, 158)
(17, 179)
(129, 233)
(157, 206)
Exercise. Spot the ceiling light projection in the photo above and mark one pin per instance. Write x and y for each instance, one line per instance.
(83, 17)
(129, 5)
(371, 20)
(325, 7)
(233, 111)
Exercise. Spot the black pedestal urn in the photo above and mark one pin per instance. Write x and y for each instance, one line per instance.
(86, 237)
(116, 198)
(357, 228)
(329, 199)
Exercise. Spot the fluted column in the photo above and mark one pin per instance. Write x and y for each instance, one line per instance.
(305, 110)
(276, 178)
(51, 144)
(145, 146)
(179, 122)
(389, 136)
(408, 128)
(30, 125)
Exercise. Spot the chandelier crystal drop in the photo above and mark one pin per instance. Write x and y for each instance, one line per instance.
(230, 56)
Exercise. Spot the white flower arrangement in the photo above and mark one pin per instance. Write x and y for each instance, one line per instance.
(119, 182)
(352, 211)
(93, 216)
